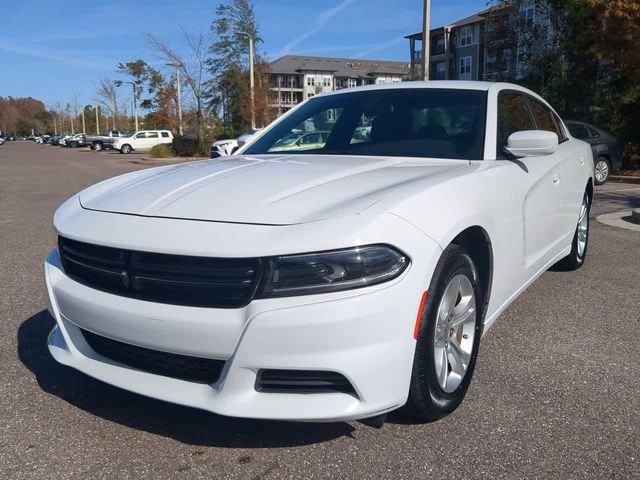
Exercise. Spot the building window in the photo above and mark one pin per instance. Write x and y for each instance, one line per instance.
(353, 82)
(441, 71)
(524, 52)
(492, 60)
(326, 82)
(439, 45)
(527, 15)
(466, 36)
(465, 66)
(311, 81)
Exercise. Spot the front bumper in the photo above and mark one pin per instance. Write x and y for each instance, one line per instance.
(365, 335)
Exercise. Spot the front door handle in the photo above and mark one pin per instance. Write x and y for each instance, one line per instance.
(556, 179)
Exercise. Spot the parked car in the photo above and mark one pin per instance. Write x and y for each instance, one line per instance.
(607, 151)
(223, 148)
(63, 140)
(305, 141)
(2, 140)
(330, 284)
(245, 137)
(143, 141)
(77, 140)
(105, 142)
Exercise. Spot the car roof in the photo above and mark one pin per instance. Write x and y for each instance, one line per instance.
(436, 84)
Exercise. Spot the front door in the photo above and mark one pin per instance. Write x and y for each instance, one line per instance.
(537, 188)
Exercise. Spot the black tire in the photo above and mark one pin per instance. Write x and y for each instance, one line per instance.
(427, 400)
(126, 148)
(602, 170)
(97, 146)
(73, 145)
(575, 260)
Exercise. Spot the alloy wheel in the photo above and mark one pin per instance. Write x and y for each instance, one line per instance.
(602, 171)
(455, 333)
(583, 227)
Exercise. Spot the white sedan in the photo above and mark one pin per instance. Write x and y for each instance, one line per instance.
(337, 283)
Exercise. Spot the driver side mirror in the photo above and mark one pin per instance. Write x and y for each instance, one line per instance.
(532, 143)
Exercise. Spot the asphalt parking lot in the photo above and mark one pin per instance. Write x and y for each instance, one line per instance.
(556, 393)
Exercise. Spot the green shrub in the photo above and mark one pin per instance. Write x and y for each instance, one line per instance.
(161, 151)
(185, 146)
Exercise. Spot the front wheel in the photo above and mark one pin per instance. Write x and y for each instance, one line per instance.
(580, 242)
(97, 146)
(125, 149)
(602, 170)
(448, 338)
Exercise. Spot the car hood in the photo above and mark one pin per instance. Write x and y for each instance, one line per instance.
(269, 190)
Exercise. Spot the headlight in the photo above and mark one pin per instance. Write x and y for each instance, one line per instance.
(331, 271)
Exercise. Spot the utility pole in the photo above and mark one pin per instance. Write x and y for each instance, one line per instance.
(176, 65)
(426, 39)
(252, 80)
(84, 125)
(97, 119)
(135, 103)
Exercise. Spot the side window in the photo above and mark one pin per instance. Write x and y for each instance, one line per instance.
(513, 116)
(165, 134)
(578, 131)
(594, 133)
(545, 119)
(152, 135)
(141, 135)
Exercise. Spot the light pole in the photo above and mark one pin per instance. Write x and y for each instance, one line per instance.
(177, 67)
(251, 78)
(135, 103)
(426, 39)
(97, 119)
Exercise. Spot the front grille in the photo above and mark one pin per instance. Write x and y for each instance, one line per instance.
(182, 367)
(162, 278)
(302, 381)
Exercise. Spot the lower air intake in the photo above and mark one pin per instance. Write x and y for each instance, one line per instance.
(302, 381)
(182, 367)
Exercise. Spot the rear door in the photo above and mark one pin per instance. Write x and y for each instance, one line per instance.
(153, 139)
(570, 165)
(538, 182)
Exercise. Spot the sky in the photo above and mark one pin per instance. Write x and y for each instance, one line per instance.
(58, 54)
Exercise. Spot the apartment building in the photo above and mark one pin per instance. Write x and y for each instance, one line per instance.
(295, 78)
(456, 50)
(491, 45)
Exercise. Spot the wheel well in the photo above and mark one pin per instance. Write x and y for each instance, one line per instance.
(476, 241)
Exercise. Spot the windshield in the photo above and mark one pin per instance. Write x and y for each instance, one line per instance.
(408, 122)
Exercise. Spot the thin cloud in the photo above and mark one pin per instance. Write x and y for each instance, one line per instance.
(44, 55)
(379, 47)
(321, 21)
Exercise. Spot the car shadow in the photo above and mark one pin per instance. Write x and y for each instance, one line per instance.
(187, 425)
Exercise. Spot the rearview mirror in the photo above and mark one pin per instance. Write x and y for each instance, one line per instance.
(532, 143)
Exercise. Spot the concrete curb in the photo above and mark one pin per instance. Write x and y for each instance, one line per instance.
(619, 220)
(624, 179)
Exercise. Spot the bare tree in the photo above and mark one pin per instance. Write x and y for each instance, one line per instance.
(108, 98)
(192, 65)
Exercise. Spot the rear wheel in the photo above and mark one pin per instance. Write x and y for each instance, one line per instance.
(448, 339)
(602, 170)
(73, 144)
(575, 259)
(125, 149)
(97, 146)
